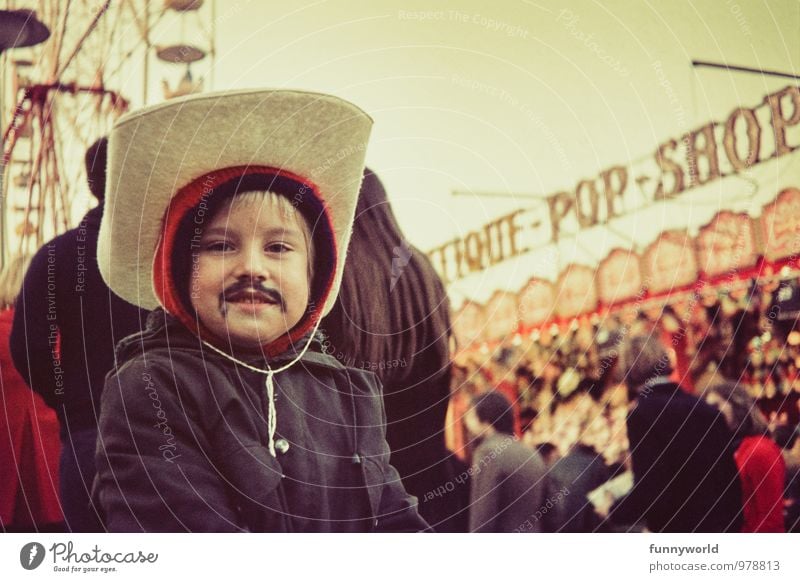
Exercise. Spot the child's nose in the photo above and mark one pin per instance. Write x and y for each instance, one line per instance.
(253, 264)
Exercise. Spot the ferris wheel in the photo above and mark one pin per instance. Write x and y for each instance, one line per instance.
(59, 96)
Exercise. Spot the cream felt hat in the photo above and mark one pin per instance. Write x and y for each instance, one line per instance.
(158, 153)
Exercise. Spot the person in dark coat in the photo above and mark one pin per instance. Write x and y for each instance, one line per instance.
(225, 414)
(398, 326)
(578, 472)
(66, 325)
(508, 478)
(685, 477)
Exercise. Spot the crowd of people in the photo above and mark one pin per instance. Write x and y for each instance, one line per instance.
(573, 399)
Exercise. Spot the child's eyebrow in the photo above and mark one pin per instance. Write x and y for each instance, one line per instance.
(281, 231)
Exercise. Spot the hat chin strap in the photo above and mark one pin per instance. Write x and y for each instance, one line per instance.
(272, 418)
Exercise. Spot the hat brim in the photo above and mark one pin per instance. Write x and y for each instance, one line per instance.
(156, 151)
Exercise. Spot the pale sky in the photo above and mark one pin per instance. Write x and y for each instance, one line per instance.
(513, 96)
(529, 107)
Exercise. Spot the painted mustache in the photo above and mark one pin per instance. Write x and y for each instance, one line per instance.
(251, 292)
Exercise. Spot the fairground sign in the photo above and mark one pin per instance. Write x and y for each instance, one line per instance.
(746, 138)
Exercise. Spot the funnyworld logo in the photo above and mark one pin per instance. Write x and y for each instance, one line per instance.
(31, 555)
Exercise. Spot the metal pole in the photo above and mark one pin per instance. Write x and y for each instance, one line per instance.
(213, 44)
(745, 69)
(146, 51)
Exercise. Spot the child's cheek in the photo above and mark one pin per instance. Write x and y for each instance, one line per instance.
(211, 271)
(206, 284)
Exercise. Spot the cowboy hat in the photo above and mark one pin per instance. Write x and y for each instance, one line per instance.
(191, 145)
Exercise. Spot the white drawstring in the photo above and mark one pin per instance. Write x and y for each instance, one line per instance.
(272, 418)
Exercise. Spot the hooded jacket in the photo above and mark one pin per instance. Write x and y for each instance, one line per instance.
(192, 451)
(285, 440)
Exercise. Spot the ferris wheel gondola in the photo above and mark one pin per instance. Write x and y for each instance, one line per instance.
(21, 28)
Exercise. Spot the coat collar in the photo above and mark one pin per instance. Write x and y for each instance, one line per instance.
(660, 384)
(164, 331)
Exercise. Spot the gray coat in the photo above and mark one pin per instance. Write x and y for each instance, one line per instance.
(508, 487)
(574, 476)
(183, 444)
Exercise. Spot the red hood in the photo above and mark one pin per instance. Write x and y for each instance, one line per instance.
(185, 201)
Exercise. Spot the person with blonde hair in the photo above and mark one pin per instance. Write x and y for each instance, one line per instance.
(29, 445)
(11, 280)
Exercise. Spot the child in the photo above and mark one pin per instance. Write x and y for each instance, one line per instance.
(233, 213)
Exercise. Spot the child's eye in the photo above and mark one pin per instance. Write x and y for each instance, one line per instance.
(219, 246)
(278, 247)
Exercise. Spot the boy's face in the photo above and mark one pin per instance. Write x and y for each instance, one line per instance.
(250, 273)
